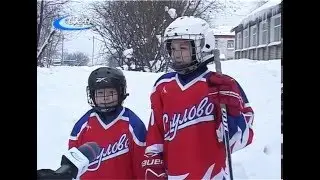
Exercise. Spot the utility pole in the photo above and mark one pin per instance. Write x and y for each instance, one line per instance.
(62, 59)
(92, 49)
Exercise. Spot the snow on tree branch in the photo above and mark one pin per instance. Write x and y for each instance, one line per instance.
(172, 13)
(128, 53)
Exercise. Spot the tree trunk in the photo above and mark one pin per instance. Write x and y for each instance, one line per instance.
(40, 22)
(46, 42)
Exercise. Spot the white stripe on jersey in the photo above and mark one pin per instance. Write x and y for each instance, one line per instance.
(74, 138)
(135, 139)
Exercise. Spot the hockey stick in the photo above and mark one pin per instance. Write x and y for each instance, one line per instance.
(225, 127)
(226, 138)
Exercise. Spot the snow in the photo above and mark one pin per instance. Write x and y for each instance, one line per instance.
(261, 10)
(128, 53)
(222, 56)
(61, 101)
(193, 3)
(274, 43)
(166, 8)
(266, 6)
(159, 38)
(172, 13)
(260, 46)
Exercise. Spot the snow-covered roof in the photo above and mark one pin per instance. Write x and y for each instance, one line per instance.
(223, 30)
(261, 11)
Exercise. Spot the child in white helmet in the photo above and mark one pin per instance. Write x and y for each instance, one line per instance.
(185, 134)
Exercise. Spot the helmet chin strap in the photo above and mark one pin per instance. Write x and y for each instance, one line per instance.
(104, 108)
(110, 109)
(187, 70)
(192, 68)
(110, 114)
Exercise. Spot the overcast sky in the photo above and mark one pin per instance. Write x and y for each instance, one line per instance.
(82, 40)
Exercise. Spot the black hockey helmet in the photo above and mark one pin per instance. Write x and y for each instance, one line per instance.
(106, 77)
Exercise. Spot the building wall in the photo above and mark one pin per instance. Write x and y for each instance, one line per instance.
(222, 45)
(260, 40)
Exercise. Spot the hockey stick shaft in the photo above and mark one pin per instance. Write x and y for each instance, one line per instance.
(226, 138)
(224, 117)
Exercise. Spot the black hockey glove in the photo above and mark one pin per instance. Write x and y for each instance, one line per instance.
(48, 174)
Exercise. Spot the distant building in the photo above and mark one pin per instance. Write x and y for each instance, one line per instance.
(225, 41)
(56, 62)
(259, 36)
(69, 62)
(65, 62)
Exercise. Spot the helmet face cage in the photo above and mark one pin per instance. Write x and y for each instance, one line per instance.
(92, 95)
(196, 42)
(107, 97)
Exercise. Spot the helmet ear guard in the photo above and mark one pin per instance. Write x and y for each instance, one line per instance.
(122, 95)
(90, 97)
(209, 41)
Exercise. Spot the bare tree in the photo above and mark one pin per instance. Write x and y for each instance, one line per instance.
(260, 3)
(47, 37)
(205, 9)
(138, 24)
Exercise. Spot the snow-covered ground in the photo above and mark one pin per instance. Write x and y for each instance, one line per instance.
(61, 100)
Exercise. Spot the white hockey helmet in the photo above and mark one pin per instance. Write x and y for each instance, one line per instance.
(200, 35)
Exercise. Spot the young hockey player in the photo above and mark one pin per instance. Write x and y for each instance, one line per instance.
(185, 132)
(118, 131)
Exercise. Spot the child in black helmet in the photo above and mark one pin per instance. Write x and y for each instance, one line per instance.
(118, 131)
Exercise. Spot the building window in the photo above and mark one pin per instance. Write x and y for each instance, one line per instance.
(230, 44)
(253, 41)
(276, 34)
(264, 32)
(239, 40)
(246, 38)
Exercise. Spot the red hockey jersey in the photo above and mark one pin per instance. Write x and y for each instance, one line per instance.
(122, 144)
(183, 126)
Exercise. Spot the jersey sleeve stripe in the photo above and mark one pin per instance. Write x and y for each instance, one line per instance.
(135, 139)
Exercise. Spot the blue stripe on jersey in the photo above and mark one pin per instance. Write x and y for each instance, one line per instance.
(137, 125)
(77, 127)
(234, 123)
(165, 76)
